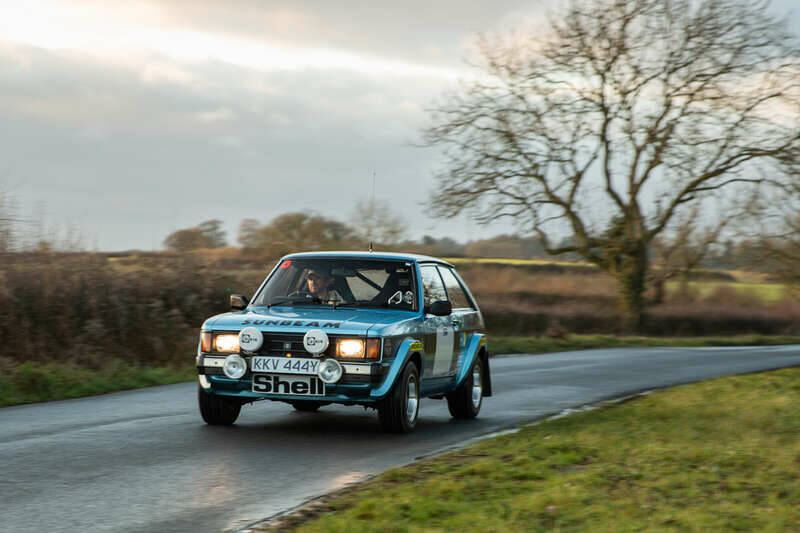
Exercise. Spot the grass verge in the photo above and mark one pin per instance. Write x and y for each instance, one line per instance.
(721, 455)
(511, 345)
(41, 382)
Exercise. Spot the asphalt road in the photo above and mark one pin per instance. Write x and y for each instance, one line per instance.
(144, 461)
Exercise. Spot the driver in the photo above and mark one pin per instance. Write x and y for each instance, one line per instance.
(320, 286)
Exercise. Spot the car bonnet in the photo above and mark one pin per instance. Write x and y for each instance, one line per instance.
(340, 321)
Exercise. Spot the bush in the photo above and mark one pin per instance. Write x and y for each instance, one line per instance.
(88, 309)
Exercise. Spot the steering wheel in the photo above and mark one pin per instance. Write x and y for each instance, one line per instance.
(302, 293)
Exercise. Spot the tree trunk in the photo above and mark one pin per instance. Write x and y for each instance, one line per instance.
(684, 286)
(631, 275)
(659, 286)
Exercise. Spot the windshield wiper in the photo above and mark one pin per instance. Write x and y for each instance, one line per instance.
(365, 304)
(293, 301)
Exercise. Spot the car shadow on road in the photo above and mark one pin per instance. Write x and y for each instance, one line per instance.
(338, 425)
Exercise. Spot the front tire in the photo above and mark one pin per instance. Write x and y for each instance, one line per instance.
(399, 411)
(217, 410)
(465, 402)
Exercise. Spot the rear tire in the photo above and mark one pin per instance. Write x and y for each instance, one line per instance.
(465, 402)
(399, 411)
(217, 410)
(306, 406)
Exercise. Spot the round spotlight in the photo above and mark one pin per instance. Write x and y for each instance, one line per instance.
(251, 339)
(315, 341)
(329, 371)
(234, 366)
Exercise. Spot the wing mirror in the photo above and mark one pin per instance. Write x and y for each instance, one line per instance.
(440, 308)
(238, 302)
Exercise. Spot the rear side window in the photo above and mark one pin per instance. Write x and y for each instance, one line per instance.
(432, 285)
(458, 298)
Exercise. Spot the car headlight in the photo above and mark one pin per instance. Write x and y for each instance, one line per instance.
(234, 366)
(350, 348)
(226, 343)
(329, 371)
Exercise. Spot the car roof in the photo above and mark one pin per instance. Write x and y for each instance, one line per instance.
(371, 255)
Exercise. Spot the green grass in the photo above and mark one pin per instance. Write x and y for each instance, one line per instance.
(765, 292)
(516, 262)
(33, 382)
(584, 267)
(510, 345)
(723, 455)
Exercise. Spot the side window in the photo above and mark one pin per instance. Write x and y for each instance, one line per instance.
(432, 285)
(458, 299)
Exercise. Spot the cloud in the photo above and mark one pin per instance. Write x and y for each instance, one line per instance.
(161, 72)
(133, 119)
(417, 31)
(96, 30)
(130, 158)
(220, 114)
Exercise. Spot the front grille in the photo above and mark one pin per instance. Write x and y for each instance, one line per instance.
(279, 344)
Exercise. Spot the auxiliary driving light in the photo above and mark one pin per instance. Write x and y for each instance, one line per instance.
(234, 366)
(329, 371)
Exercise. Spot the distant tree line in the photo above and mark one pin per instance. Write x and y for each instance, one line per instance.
(674, 256)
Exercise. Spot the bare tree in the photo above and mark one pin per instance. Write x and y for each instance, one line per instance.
(293, 232)
(208, 234)
(624, 113)
(377, 222)
(248, 235)
(212, 230)
(778, 235)
(184, 240)
(678, 254)
(7, 223)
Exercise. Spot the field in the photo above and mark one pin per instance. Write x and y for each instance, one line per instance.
(762, 292)
(716, 456)
(541, 298)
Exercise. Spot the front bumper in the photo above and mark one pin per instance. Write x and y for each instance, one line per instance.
(357, 385)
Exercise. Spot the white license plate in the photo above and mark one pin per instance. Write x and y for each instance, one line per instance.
(284, 365)
(288, 384)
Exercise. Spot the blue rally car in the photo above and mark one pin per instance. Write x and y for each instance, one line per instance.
(374, 329)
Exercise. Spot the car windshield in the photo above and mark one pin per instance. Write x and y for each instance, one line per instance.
(341, 282)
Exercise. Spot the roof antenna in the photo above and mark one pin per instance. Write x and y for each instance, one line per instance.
(372, 211)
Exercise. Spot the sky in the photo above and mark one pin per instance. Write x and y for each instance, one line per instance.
(125, 121)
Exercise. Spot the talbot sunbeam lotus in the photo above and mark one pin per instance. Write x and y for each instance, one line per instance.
(372, 329)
